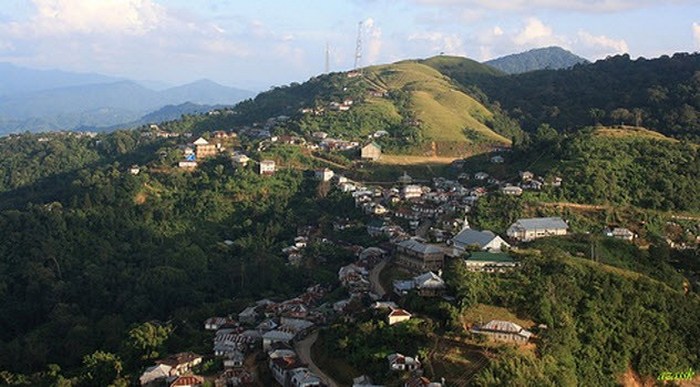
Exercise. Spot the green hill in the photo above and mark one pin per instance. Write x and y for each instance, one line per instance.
(424, 111)
(662, 94)
(548, 58)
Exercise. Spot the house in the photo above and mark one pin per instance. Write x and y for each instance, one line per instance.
(411, 191)
(267, 167)
(396, 316)
(489, 262)
(526, 175)
(620, 233)
(134, 170)
(214, 323)
(248, 315)
(240, 159)
(532, 228)
(497, 159)
(481, 176)
(234, 377)
(399, 362)
(483, 240)
(203, 149)
(416, 255)
(155, 373)
(303, 377)
(504, 331)
(187, 381)
(187, 164)
(533, 184)
(181, 363)
(324, 174)
(276, 336)
(234, 359)
(282, 361)
(512, 190)
(371, 151)
(429, 284)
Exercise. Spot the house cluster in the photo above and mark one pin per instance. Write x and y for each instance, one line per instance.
(427, 284)
(174, 370)
(287, 368)
(355, 278)
(406, 364)
(199, 150)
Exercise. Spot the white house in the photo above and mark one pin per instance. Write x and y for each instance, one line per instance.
(399, 362)
(155, 373)
(267, 167)
(324, 174)
(412, 191)
(484, 240)
(504, 331)
(533, 228)
(397, 316)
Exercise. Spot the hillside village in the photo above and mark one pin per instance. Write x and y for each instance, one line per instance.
(422, 225)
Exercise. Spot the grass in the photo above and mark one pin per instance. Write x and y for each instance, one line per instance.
(482, 313)
(447, 114)
(631, 131)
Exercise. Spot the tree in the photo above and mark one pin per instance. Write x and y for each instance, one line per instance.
(597, 115)
(146, 340)
(101, 369)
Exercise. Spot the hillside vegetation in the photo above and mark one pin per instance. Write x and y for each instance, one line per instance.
(662, 94)
(548, 58)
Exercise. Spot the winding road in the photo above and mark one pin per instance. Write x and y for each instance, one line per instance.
(374, 279)
(303, 349)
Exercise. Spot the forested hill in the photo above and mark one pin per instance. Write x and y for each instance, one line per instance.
(662, 94)
(548, 58)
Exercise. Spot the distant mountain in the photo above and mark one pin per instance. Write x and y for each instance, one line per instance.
(19, 80)
(549, 58)
(37, 100)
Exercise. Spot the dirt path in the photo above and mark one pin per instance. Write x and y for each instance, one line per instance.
(377, 287)
(303, 349)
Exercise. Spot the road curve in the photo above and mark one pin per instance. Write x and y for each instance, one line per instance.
(303, 349)
(374, 279)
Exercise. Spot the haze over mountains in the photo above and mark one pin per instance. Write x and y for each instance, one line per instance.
(40, 100)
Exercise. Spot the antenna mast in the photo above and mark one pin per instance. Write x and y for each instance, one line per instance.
(328, 58)
(358, 46)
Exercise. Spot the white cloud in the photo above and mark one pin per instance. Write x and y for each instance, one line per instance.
(587, 6)
(373, 42)
(601, 45)
(537, 34)
(131, 17)
(497, 31)
(696, 34)
(433, 43)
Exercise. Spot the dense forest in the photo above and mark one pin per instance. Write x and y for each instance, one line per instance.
(104, 251)
(662, 94)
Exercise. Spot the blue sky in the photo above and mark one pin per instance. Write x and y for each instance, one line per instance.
(258, 44)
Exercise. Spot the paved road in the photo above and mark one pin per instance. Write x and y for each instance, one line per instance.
(374, 279)
(303, 349)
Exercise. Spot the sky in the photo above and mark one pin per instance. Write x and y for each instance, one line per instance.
(264, 43)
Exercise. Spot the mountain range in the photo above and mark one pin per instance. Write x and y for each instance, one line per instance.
(47, 100)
